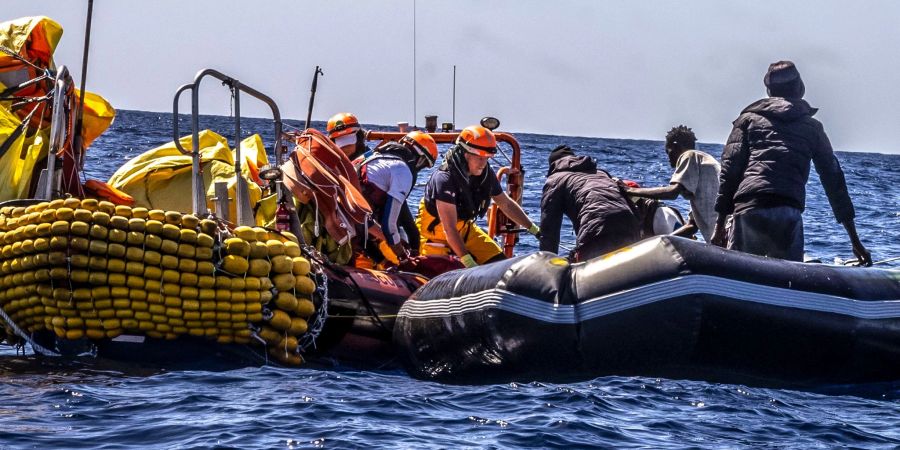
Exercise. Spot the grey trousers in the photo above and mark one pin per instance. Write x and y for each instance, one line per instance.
(774, 232)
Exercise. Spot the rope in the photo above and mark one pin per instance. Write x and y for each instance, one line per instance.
(21, 59)
(318, 323)
(22, 334)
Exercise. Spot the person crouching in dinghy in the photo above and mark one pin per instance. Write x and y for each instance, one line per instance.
(387, 178)
(591, 199)
(459, 192)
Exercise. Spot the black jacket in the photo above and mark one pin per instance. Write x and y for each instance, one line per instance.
(767, 158)
(587, 197)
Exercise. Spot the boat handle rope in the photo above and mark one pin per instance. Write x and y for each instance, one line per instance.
(22, 334)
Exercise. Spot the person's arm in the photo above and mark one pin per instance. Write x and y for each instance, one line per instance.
(688, 229)
(388, 220)
(551, 219)
(447, 215)
(408, 224)
(513, 210)
(832, 178)
(735, 156)
(670, 192)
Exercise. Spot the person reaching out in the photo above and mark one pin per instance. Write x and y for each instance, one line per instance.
(457, 194)
(593, 202)
(696, 178)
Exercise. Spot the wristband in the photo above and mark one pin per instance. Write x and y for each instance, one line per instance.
(468, 260)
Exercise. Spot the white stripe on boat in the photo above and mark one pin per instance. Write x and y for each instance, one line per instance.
(545, 311)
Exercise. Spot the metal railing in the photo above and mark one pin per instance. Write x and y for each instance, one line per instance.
(198, 190)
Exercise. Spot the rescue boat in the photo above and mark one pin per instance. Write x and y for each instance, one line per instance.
(665, 307)
(134, 270)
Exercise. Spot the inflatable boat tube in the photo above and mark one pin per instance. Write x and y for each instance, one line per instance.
(667, 307)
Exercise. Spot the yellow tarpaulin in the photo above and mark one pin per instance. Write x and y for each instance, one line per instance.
(19, 157)
(161, 178)
(35, 39)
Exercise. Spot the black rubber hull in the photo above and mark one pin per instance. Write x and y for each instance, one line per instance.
(668, 307)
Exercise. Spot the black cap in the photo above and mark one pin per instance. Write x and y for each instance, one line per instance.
(783, 80)
(559, 152)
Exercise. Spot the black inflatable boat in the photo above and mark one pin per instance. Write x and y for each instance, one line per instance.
(668, 307)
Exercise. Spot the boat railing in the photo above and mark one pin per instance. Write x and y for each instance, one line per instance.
(244, 210)
(50, 179)
(498, 223)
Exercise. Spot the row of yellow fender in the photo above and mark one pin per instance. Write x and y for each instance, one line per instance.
(88, 268)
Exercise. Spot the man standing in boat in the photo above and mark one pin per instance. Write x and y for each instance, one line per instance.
(458, 193)
(696, 178)
(765, 166)
(591, 199)
(344, 130)
(387, 178)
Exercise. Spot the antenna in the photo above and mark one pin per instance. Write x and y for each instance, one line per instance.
(454, 95)
(79, 114)
(415, 113)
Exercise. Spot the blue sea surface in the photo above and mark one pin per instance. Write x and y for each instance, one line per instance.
(47, 403)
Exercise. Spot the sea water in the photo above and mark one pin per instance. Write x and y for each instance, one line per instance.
(47, 403)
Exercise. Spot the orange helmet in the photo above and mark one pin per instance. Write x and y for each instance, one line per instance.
(424, 146)
(342, 124)
(478, 140)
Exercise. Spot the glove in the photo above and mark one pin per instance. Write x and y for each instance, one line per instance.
(535, 231)
(468, 260)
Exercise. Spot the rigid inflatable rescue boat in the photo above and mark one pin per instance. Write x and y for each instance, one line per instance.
(668, 307)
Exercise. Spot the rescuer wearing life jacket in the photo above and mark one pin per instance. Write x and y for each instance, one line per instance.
(458, 193)
(344, 130)
(387, 178)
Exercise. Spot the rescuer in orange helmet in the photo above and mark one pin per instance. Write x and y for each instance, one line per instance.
(387, 178)
(458, 193)
(344, 130)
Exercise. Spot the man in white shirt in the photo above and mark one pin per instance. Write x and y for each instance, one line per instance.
(696, 178)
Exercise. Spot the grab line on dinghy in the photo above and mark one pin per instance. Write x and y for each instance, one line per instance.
(651, 293)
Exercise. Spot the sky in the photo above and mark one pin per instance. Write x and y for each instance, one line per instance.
(617, 69)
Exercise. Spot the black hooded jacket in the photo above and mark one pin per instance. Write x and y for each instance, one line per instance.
(767, 159)
(587, 197)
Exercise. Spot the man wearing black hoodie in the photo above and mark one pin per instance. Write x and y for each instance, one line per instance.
(765, 166)
(591, 199)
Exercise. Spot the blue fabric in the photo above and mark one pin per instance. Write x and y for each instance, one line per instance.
(776, 232)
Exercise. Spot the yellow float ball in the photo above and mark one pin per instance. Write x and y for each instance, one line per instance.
(118, 222)
(304, 285)
(274, 248)
(246, 233)
(123, 210)
(136, 224)
(235, 264)
(173, 217)
(156, 214)
(170, 231)
(153, 227)
(99, 218)
(83, 215)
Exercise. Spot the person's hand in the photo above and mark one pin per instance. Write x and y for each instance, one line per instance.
(468, 260)
(535, 231)
(719, 237)
(400, 250)
(862, 255)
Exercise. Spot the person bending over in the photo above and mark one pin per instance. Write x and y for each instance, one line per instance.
(387, 177)
(593, 202)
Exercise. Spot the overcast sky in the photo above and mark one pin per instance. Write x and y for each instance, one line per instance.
(623, 69)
